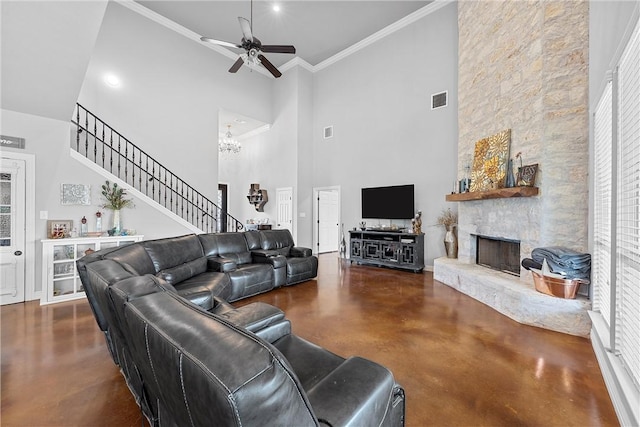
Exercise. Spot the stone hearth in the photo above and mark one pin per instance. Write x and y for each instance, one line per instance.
(515, 298)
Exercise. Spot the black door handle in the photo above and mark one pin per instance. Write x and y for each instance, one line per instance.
(17, 253)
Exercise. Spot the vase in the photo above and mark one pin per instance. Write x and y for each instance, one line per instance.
(116, 225)
(343, 244)
(511, 180)
(451, 241)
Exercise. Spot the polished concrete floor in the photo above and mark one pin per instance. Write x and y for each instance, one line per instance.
(460, 362)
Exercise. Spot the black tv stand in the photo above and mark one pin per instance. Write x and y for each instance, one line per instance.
(395, 249)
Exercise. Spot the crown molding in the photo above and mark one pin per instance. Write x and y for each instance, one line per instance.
(297, 61)
(167, 23)
(390, 29)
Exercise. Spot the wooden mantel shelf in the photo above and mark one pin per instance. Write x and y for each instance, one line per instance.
(500, 193)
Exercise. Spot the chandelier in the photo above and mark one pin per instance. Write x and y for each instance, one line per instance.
(228, 145)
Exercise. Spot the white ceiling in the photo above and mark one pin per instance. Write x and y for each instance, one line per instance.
(319, 30)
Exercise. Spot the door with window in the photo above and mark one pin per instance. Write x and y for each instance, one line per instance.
(12, 231)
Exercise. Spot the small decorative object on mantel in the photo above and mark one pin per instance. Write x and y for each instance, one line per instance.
(511, 180)
(115, 201)
(490, 162)
(526, 174)
(450, 221)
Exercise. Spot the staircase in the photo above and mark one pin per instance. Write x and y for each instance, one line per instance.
(103, 146)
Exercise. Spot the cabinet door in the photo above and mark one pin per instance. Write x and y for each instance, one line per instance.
(408, 254)
(371, 249)
(356, 248)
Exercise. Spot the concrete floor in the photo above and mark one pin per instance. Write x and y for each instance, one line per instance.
(461, 363)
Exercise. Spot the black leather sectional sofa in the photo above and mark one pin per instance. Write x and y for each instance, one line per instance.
(190, 358)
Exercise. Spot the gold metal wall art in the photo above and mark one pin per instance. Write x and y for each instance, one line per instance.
(490, 162)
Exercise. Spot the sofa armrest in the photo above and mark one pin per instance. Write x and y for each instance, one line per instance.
(268, 257)
(358, 392)
(300, 252)
(221, 264)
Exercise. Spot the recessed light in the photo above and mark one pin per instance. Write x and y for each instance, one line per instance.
(240, 121)
(276, 8)
(112, 80)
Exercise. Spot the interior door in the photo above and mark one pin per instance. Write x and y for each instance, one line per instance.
(284, 200)
(221, 226)
(12, 231)
(328, 221)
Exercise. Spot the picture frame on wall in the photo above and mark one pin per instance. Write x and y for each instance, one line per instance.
(59, 228)
(75, 194)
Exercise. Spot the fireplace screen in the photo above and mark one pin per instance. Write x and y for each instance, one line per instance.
(498, 254)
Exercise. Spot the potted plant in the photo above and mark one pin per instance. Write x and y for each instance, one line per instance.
(449, 219)
(115, 201)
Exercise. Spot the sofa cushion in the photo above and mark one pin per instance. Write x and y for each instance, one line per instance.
(253, 239)
(185, 271)
(186, 354)
(133, 258)
(174, 251)
(209, 244)
(250, 279)
(280, 241)
(203, 288)
(301, 269)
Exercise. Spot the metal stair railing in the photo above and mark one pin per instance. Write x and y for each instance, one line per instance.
(107, 148)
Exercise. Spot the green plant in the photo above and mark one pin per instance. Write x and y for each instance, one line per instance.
(448, 217)
(114, 197)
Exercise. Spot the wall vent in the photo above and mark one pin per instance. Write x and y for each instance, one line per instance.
(328, 132)
(439, 100)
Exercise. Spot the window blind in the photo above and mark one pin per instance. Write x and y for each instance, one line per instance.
(627, 329)
(601, 260)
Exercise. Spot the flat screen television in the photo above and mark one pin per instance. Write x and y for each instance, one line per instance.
(395, 202)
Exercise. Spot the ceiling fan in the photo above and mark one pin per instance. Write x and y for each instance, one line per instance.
(253, 47)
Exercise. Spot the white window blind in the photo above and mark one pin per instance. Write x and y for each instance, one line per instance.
(627, 330)
(601, 260)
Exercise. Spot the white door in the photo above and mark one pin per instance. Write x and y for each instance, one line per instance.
(328, 221)
(12, 231)
(284, 200)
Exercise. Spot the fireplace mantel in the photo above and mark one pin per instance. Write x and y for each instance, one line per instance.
(500, 193)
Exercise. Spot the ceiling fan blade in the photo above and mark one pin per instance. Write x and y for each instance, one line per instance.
(220, 42)
(245, 25)
(236, 65)
(277, 48)
(269, 66)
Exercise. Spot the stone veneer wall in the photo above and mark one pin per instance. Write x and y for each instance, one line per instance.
(523, 66)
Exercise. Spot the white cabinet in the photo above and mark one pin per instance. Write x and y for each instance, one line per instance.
(60, 278)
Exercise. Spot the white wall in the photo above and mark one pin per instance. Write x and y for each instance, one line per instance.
(172, 89)
(385, 133)
(48, 139)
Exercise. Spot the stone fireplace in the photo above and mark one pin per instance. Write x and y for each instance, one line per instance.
(498, 254)
(535, 83)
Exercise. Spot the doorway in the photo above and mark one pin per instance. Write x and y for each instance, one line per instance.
(284, 202)
(326, 211)
(16, 257)
(223, 190)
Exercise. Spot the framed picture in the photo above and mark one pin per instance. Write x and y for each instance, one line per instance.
(527, 175)
(75, 194)
(59, 228)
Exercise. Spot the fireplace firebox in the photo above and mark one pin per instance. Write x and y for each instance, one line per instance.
(498, 254)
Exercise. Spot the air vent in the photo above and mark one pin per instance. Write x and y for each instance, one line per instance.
(439, 100)
(328, 132)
